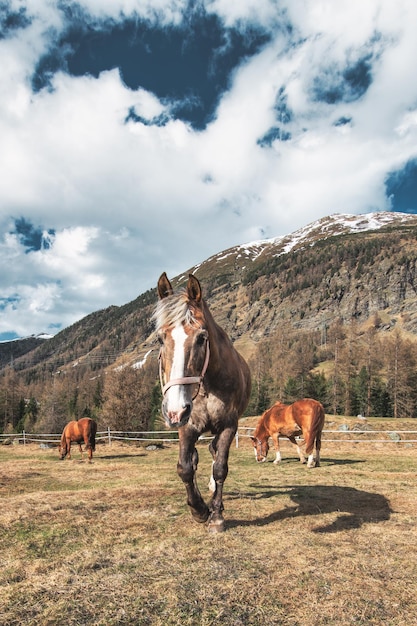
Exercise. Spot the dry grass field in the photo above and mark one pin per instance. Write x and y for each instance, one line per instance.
(112, 543)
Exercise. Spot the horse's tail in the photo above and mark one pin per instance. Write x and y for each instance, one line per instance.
(92, 435)
(317, 423)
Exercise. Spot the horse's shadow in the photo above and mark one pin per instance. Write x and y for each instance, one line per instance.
(121, 456)
(354, 507)
(324, 461)
(342, 461)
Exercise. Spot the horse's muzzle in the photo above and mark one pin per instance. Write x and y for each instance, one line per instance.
(175, 419)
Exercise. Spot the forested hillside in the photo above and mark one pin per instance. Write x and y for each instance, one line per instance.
(329, 313)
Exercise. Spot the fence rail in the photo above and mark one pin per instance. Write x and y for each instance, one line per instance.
(163, 436)
(348, 436)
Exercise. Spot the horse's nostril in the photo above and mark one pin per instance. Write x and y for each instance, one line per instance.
(186, 411)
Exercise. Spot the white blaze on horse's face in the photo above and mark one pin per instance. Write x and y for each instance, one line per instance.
(177, 403)
(261, 449)
(175, 395)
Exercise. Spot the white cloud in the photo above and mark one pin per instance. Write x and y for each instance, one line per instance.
(128, 201)
(36, 302)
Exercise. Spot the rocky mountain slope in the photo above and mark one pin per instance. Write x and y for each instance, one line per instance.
(340, 267)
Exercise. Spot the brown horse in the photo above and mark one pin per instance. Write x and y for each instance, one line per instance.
(205, 385)
(304, 417)
(83, 430)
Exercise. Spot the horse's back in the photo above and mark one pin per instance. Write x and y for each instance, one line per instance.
(308, 412)
(281, 419)
(70, 429)
(277, 415)
(286, 418)
(83, 429)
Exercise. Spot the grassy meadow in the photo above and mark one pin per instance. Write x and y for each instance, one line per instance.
(112, 542)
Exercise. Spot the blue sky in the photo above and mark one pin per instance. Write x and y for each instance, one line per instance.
(143, 136)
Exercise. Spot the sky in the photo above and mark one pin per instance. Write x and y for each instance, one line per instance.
(142, 136)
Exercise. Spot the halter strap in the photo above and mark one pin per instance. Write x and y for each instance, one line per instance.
(186, 380)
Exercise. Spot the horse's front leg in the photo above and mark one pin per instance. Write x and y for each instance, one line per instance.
(69, 448)
(275, 439)
(81, 450)
(219, 449)
(186, 469)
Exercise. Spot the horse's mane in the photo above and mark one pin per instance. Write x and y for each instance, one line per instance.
(172, 310)
(261, 429)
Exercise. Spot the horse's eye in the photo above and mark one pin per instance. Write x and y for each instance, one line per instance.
(161, 338)
(201, 338)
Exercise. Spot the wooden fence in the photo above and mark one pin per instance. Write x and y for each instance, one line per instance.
(342, 435)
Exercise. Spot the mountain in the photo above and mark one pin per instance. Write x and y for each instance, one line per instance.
(257, 253)
(340, 267)
(10, 350)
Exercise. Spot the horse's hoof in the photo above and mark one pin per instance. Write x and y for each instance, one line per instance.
(216, 524)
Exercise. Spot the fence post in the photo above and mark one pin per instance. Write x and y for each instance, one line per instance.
(237, 438)
(108, 435)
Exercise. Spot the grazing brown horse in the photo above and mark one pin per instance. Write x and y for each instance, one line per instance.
(304, 417)
(205, 385)
(83, 430)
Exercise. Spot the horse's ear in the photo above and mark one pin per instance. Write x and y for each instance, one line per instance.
(164, 287)
(194, 288)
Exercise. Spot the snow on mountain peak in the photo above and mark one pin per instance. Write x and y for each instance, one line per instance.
(338, 223)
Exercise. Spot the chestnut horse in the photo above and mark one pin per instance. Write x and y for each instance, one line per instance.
(205, 386)
(304, 417)
(83, 430)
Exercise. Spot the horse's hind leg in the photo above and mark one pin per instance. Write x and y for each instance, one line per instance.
(220, 471)
(299, 450)
(309, 441)
(88, 448)
(186, 469)
(318, 448)
(213, 452)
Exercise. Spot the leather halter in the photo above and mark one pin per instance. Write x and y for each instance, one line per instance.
(259, 445)
(186, 380)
